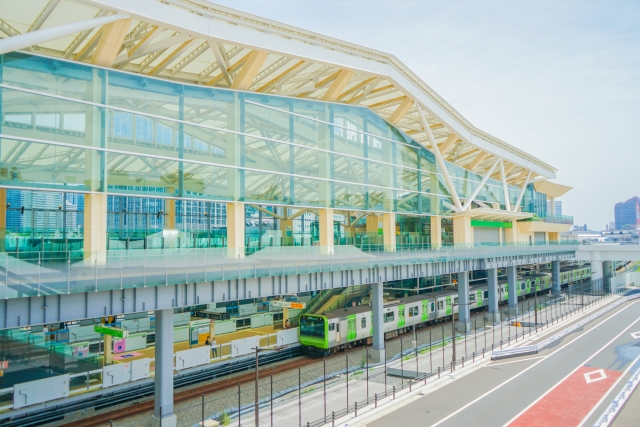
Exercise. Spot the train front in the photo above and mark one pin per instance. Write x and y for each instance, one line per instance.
(314, 333)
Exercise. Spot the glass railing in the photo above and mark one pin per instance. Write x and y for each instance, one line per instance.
(36, 273)
(557, 219)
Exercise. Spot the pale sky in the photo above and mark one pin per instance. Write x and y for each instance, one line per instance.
(558, 79)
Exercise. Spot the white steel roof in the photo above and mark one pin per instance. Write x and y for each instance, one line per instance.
(199, 42)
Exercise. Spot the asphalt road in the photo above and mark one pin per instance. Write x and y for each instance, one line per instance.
(568, 384)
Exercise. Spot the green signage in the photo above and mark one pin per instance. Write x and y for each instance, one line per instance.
(106, 330)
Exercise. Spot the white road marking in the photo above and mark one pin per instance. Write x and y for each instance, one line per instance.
(531, 367)
(578, 367)
(590, 377)
(635, 335)
(597, 405)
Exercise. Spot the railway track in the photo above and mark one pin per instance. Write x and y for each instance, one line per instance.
(135, 394)
(197, 392)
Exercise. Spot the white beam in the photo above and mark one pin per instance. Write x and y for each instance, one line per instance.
(524, 187)
(505, 189)
(441, 163)
(467, 204)
(44, 15)
(221, 60)
(26, 40)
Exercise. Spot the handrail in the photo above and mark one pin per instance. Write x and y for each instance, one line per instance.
(535, 348)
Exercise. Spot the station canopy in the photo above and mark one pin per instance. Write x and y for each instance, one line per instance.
(199, 42)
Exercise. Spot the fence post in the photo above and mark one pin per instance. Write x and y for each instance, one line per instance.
(347, 366)
(375, 399)
(239, 403)
(394, 392)
(356, 409)
(299, 397)
(271, 400)
(333, 419)
(324, 387)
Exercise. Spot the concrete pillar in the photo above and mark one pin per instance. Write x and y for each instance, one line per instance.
(389, 232)
(95, 228)
(285, 314)
(555, 277)
(235, 230)
(3, 218)
(436, 232)
(552, 206)
(170, 212)
(286, 230)
(493, 316)
(597, 275)
(512, 290)
(511, 234)
(372, 225)
(377, 307)
(108, 350)
(607, 275)
(325, 228)
(163, 409)
(462, 231)
(464, 316)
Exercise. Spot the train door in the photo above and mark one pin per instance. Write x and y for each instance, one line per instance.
(537, 284)
(351, 328)
(401, 316)
(338, 333)
(449, 306)
(425, 310)
(528, 289)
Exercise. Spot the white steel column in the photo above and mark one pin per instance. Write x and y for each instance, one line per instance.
(441, 163)
(22, 41)
(377, 307)
(524, 187)
(163, 410)
(505, 188)
(479, 187)
(493, 316)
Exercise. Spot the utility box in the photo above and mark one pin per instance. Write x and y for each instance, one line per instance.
(40, 391)
(194, 357)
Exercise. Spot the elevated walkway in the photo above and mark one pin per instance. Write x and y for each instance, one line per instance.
(608, 252)
(135, 281)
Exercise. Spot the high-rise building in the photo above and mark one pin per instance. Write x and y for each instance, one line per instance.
(557, 208)
(627, 214)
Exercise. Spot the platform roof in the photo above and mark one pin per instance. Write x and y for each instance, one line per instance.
(199, 42)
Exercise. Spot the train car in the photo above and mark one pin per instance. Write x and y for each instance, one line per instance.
(336, 330)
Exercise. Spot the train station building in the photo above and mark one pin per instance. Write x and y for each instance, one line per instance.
(177, 172)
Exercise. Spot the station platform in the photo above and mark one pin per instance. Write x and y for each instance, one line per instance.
(266, 334)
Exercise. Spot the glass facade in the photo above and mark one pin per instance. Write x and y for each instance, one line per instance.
(76, 128)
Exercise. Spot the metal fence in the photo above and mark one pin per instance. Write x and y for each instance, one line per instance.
(323, 391)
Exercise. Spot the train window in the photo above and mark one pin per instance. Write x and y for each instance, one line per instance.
(455, 300)
(486, 294)
(413, 311)
(364, 322)
(312, 326)
(472, 298)
(432, 307)
(388, 317)
(332, 326)
(440, 305)
(523, 286)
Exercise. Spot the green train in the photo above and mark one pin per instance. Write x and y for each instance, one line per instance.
(343, 328)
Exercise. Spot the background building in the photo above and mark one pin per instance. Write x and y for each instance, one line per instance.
(627, 214)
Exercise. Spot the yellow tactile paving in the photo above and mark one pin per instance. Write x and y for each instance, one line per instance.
(220, 339)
